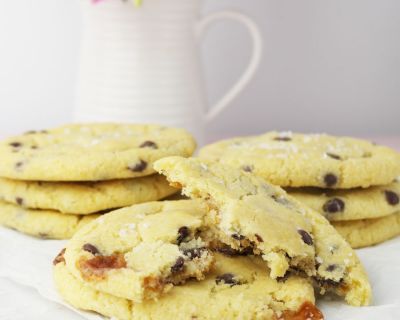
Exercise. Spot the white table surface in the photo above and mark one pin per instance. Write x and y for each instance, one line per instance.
(18, 302)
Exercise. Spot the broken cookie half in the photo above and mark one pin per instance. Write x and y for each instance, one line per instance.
(141, 252)
(235, 288)
(249, 216)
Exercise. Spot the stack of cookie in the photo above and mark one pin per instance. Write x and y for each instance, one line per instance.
(351, 182)
(363, 217)
(54, 182)
(240, 248)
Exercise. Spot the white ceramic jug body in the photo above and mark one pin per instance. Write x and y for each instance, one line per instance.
(142, 64)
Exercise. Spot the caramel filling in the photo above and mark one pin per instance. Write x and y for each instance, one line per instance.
(97, 267)
(154, 284)
(307, 311)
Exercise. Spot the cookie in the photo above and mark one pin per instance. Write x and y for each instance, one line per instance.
(248, 214)
(143, 251)
(368, 232)
(236, 288)
(84, 197)
(91, 152)
(313, 160)
(45, 224)
(353, 204)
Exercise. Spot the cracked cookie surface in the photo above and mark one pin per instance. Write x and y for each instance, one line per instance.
(91, 152)
(249, 213)
(315, 160)
(143, 251)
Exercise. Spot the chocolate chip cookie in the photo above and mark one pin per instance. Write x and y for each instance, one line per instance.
(313, 160)
(91, 152)
(141, 252)
(368, 232)
(249, 215)
(84, 197)
(351, 204)
(45, 224)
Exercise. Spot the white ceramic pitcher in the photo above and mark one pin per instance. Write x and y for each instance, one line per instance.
(142, 64)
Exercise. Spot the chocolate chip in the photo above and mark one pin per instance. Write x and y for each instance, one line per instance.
(19, 165)
(330, 179)
(43, 235)
(333, 156)
(329, 282)
(246, 251)
(183, 233)
(90, 248)
(283, 139)
(248, 168)
(227, 278)
(194, 253)
(306, 237)
(178, 266)
(229, 251)
(149, 144)
(19, 201)
(34, 147)
(140, 166)
(331, 267)
(59, 258)
(15, 144)
(259, 238)
(392, 197)
(43, 131)
(238, 236)
(334, 205)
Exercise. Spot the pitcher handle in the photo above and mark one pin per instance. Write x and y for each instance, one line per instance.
(255, 59)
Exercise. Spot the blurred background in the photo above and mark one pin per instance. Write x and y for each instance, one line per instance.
(328, 66)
